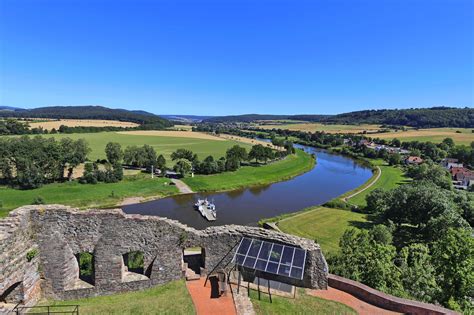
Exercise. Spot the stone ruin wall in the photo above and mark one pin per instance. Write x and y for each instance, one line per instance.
(59, 233)
(19, 278)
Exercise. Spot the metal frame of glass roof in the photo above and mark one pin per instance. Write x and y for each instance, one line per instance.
(283, 260)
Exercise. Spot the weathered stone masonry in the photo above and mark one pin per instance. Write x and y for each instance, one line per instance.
(59, 233)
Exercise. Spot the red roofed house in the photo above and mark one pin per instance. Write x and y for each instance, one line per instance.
(413, 160)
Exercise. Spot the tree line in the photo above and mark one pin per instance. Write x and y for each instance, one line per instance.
(90, 112)
(435, 117)
(29, 162)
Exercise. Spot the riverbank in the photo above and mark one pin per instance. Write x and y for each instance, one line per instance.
(100, 195)
(141, 188)
(248, 176)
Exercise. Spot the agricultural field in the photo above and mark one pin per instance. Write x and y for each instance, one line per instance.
(322, 224)
(312, 127)
(164, 142)
(170, 298)
(50, 124)
(460, 135)
(246, 176)
(87, 195)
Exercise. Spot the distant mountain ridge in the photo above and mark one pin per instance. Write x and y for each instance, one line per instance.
(10, 108)
(89, 112)
(435, 117)
(186, 118)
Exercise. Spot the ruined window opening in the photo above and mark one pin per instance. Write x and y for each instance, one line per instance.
(195, 258)
(134, 262)
(85, 261)
(13, 294)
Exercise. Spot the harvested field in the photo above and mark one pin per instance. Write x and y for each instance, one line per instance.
(459, 135)
(312, 127)
(50, 124)
(172, 133)
(249, 141)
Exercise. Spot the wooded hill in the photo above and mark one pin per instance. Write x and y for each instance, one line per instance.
(89, 112)
(435, 117)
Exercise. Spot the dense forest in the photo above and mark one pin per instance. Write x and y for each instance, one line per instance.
(89, 112)
(435, 117)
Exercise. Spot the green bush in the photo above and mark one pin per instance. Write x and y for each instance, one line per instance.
(32, 254)
(338, 204)
(38, 201)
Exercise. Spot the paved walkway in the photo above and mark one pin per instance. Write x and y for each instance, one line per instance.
(366, 187)
(183, 188)
(203, 303)
(359, 306)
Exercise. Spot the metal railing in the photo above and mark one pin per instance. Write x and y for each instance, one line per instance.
(47, 309)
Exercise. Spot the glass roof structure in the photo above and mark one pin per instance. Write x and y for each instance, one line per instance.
(283, 260)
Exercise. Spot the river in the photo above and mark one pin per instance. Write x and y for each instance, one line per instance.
(332, 176)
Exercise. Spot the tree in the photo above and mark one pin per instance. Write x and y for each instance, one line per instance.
(267, 154)
(363, 259)
(232, 164)
(257, 152)
(449, 142)
(183, 167)
(114, 153)
(421, 209)
(208, 166)
(394, 159)
(431, 172)
(376, 201)
(183, 154)
(237, 153)
(396, 142)
(418, 274)
(73, 153)
(149, 157)
(453, 258)
(132, 156)
(161, 162)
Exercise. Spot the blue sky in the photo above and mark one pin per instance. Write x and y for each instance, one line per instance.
(234, 57)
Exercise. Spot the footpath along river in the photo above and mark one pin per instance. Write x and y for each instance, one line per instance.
(332, 176)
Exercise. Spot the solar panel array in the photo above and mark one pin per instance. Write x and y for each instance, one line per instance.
(271, 257)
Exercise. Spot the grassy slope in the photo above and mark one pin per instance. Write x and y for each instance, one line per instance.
(391, 177)
(162, 145)
(303, 304)
(170, 298)
(87, 195)
(249, 176)
(325, 225)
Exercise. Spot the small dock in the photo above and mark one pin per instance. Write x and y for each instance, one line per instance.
(207, 214)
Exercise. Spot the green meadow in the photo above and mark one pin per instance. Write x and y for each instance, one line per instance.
(162, 144)
(246, 176)
(322, 224)
(87, 195)
(170, 298)
(390, 178)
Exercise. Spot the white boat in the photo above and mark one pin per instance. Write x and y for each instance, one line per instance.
(206, 208)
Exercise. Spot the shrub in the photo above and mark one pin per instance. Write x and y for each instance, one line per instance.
(337, 203)
(38, 201)
(31, 254)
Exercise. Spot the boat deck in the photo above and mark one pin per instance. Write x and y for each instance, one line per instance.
(207, 214)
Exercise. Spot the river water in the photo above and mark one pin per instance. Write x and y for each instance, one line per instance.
(332, 176)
